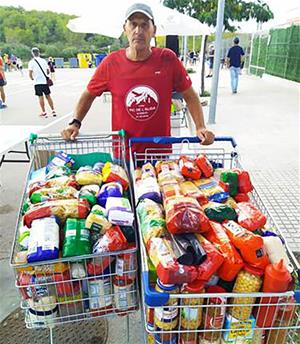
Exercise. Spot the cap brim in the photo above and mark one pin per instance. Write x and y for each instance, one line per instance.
(139, 11)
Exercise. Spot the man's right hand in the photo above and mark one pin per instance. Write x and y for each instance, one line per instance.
(70, 132)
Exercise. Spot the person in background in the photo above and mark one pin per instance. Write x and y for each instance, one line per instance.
(211, 54)
(235, 58)
(2, 84)
(141, 79)
(20, 65)
(51, 65)
(38, 70)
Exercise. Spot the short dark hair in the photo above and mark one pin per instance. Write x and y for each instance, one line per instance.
(35, 51)
(236, 40)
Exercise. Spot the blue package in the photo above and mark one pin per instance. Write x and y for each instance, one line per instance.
(113, 189)
(60, 159)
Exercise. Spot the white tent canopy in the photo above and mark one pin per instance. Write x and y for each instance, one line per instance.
(109, 20)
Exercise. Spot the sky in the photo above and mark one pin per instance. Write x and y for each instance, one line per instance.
(282, 9)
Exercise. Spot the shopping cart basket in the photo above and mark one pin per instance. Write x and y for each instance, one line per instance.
(83, 287)
(211, 312)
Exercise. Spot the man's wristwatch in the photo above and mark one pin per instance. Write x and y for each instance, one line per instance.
(75, 121)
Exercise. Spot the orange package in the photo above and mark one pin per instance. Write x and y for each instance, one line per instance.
(251, 246)
(205, 166)
(233, 262)
(214, 259)
(184, 215)
(189, 189)
(188, 168)
(250, 217)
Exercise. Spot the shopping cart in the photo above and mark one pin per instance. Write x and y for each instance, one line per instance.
(84, 287)
(212, 310)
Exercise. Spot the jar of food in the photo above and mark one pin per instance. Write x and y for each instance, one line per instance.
(126, 264)
(249, 280)
(124, 295)
(191, 316)
(213, 316)
(100, 295)
(166, 317)
(150, 334)
(165, 337)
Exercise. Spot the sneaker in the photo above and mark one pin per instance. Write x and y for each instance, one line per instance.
(43, 115)
(54, 114)
(3, 106)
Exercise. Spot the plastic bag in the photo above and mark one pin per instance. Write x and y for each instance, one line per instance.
(205, 166)
(168, 170)
(244, 181)
(89, 193)
(231, 178)
(97, 222)
(219, 212)
(250, 217)
(148, 188)
(189, 189)
(112, 240)
(54, 193)
(119, 211)
(115, 173)
(211, 189)
(113, 189)
(86, 175)
(60, 159)
(188, 168)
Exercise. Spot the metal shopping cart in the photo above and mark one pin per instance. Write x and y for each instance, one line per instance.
(85, 287)
(209, 317)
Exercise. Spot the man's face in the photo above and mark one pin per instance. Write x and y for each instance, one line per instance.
(139, 30)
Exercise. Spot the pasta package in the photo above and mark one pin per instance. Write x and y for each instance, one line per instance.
(211, 189)
(250, 217)
(205, 166)
(87, 175)
(62, 209)
(97, 220)
(148, 170)
(54, 193)
(189, 189)
(168, 170)
(115, 173)
(170, 189)
(184, 215)
(188, 168)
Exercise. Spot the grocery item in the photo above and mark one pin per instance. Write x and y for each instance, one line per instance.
(219, 212)
(250, 245)
(244, 181)
(168, 169)
(42, 318)
(43, 242)
(64, 208)
(124, 295)
(97, 265)
(115, 173)
(250, 217)
(97, 222)
(212, 262)
(23, 238)
(232, 260)
(188, 168)
(211, 189)
(231, 178)
(113, 189)
(259, 336)
(166, 317)
(165, 337)
(213, 317)
(184, 215)
(54, 193)
(87, 175)
(276, 251)
(89, 193)
(58, 171)
(205, 166)
(276, 279)
(60, 159)
(148, 170)
(189, 189)
(126, 264)
(152, 220)
(240, 331)
(148, 188)
(112, 240)
(249, 280)
(77, 270)
(170, 188)
(77, 238)
(241, 197)
(119, 211)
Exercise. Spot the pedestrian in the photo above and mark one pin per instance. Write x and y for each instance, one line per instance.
(235, 58)
(20, 65)
(211, 55)
(51, 65)
(141, 79)
(2, 84)
(38, 70)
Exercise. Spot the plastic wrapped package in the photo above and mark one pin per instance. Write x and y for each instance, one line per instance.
(231, 178)
(205, 166)
(23, 237)
(115, 173)
(119, 211)
(189, 189)
(62, 209)
(87, 175)
(188, 168)
(58, 171)
(219, 212)
(148, 188)
(89, 192)
(211, 189)
(97, 222)
(152, 219)
(244, 181)
(148, 170)
(54, 193)
(233, 262)
(60, 159)
(112, 240)
(112, 189)
(168, 169)
(184, 215)
(170, 188)
(250, 245)
(241, 197)
(250, 217)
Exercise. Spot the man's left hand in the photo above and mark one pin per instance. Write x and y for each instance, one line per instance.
(206, 136)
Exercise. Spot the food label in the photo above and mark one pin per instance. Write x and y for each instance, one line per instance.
(234, 228)
(190, 314)
(124, 296)
(100, 293)
(166, 314)
(70, 233)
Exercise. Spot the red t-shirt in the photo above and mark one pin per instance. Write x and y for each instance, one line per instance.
(141, 91)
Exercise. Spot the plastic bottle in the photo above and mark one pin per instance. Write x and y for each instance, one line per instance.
(276, 280)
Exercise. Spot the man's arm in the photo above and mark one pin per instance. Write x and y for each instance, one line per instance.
(82, 108)
(194, 105)
(31, 74)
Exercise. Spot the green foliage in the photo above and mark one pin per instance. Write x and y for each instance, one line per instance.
(235, 10)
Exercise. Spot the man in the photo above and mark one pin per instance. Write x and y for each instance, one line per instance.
(38, 70)
(141, 80)
(211, 54)
(2, 84)
(235, 58)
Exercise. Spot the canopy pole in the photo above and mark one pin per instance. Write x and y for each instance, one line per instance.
(185, 50)
(217, 60)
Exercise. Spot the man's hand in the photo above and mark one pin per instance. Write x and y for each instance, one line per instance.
(206, 136)
(70, 132)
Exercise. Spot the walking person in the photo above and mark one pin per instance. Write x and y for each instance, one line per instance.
(211, 56)
(141, 79)
(51, 65)
(20, 65)
(235, 59)
(38, 70)
(2, 84)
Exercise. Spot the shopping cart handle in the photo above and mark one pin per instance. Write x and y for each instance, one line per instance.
(171, 139)
(152, 297)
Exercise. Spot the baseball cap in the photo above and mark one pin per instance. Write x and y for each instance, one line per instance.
(236, 40)
(35, 50)
(139, 8)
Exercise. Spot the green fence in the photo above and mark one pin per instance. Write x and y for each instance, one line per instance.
(277, 53)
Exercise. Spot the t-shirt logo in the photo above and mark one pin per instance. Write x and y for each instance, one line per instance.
(141, 103)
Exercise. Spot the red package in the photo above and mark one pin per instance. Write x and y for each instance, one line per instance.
(184, 215)
(63, 208)
(250, 217)
(241, 197)
(244, 182)
(212, 262)
(233, 262)
(188, 168)
(205, 166)
(112, 240)
(98, 265)
(251, 246)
